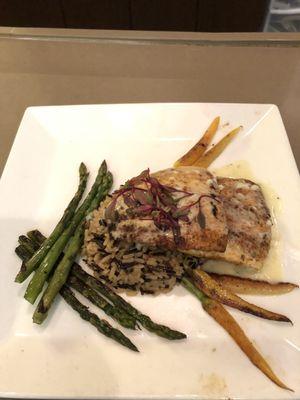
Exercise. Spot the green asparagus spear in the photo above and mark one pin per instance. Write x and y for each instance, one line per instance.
(38, 280)
(36, 237)
(118, 301)
(194, 290)
(62, 271)
(23, 253)
(102, 325)
(116, 313)
(25, 250)
(27, 247)
(27, 243)
(40, 254)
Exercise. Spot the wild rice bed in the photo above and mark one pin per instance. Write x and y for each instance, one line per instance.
(130, 268)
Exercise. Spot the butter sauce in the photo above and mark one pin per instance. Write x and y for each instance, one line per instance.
(273, 267)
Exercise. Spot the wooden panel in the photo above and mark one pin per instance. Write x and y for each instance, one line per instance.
(231, 15)
(164, 15)
(96, 14)
(35, 13)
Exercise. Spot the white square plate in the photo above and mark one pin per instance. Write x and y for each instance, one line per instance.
(67, 357)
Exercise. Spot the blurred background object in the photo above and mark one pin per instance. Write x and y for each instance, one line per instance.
(283, 16)
(157, 15)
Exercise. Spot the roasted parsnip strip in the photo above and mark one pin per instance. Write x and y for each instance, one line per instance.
(216, 291)
(210, 156)
(223, 318)
(251, 286)
(200, 147)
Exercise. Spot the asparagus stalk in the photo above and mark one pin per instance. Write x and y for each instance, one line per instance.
(194, 290)
(38, 280)
(117, 314)
(40, 254)
(123, 305)
(102, 326)
(27, 243)
(23, 252)
(62, 271)
(36, 237)
(118, 301)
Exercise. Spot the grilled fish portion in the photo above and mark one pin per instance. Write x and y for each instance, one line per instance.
(192, 211)
(249, 224)
(195, 193)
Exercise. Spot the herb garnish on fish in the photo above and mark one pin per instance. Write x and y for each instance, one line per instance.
(148, 199)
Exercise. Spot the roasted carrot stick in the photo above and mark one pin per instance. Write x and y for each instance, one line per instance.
(210, 156)
(216, 291)
(200, 147)
(223, 318)
(250, 286)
